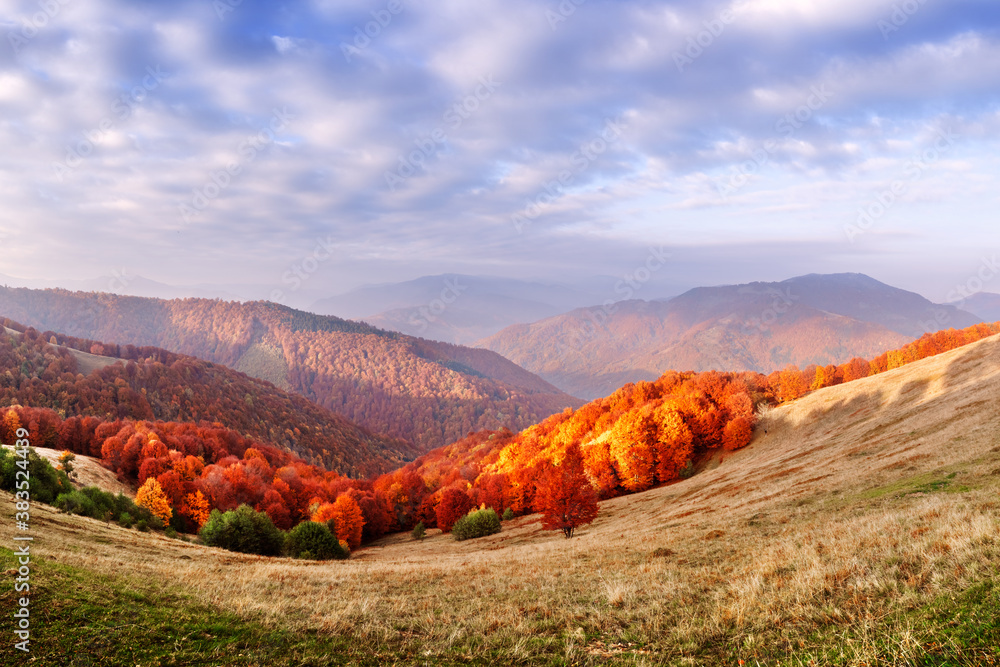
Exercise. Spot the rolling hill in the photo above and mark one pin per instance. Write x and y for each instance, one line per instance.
(759, 326)
(153, 384)
(426, 392)
(858, 527)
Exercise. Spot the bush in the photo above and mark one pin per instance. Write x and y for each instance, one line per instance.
(76, 503)
(419, 531)
(313, 541)
(244, 530)
(171, 532)
(476, 524)
(142, 526)
(508, 514)
(688, 470)
(97, 504)
(125, 520)
(45, 482)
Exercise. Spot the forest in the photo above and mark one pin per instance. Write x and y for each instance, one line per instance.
(645, 434)
(38, 369)
(421, 391)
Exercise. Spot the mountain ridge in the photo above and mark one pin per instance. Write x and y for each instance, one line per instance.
(754, 326)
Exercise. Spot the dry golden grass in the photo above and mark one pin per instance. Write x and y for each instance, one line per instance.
(859, 502)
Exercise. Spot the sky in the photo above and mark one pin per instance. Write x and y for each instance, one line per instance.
(327, 144)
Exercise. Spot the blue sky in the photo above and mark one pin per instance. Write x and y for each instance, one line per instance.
(226, 141)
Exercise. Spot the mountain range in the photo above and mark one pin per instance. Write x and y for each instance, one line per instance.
(812, 319)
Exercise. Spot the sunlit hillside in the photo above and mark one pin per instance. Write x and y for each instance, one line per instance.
(861, 526)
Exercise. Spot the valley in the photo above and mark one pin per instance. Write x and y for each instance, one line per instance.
(860, 526)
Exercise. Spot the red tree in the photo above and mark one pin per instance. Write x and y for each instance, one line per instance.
(565, 497)
(454, 504)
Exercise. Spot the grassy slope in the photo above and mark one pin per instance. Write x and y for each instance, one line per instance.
(862, 528)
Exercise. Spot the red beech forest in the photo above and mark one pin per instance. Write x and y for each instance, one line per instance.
(149, 383)
(426, 392)
(644, 434)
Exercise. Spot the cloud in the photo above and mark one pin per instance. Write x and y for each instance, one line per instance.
(393, 144)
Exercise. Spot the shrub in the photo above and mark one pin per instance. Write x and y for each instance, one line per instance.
(688, 470)
(171, 532)
(125, 520)
(76, 503)
(46, 482)
(313, 541)
(419, 531)
(97, 504)
(243, 529)
(142, 526)
(508, 514)
(476, 524)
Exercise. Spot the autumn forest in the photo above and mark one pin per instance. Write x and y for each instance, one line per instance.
(203, 437)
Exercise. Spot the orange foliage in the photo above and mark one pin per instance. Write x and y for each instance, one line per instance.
(195, 508)
(565, 497)
(349, 520)
(151, 496)
(454, 504)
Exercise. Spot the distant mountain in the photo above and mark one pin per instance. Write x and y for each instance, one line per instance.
(985, 305)
(82, 378)
(125, 283)
(455, 308)
(761, 327)
(422, 391)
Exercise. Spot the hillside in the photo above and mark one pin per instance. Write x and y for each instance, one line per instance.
(859, 527)
(153, 384)
(758, 327)
(425, 392)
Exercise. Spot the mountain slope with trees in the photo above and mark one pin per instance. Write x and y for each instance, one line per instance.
(758, 327)
(146, 383)
(423, 391)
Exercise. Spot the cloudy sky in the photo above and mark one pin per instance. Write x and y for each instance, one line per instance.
(351, 142)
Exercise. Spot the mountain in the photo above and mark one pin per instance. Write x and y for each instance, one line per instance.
(455, 308)
(811, 319)
(146, 383)
(984, 305)
(427, 392)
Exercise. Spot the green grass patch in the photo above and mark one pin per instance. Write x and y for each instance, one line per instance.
(929, 482)
(80, 618)
(958, 630)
